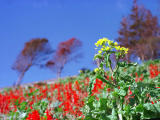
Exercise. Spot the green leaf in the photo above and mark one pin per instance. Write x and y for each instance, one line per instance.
(91, 84)
(90, 101)
(97, 56)
(151, 110)
(127, 109)
(153, 107)
(140, 108)
(131, 64)
(122, 92)
(114, 115)
(121, 64)
(103, 103)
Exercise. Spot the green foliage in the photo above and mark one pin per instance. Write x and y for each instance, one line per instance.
(131, 97)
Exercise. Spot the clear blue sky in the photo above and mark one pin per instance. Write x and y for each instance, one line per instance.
(58, 20)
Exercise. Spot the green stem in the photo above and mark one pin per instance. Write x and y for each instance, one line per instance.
(120, 109)
(117, 66)
(110, 67)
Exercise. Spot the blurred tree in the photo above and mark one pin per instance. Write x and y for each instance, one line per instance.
(140, 33)
(34, 52)
(64, 54)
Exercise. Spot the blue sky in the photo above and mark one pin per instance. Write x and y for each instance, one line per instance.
(58, 20)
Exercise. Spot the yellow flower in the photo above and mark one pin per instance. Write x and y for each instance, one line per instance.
(107, 48)
(111, 45)
(117, 47)
(96, 70)
(100, 42)
(99, 51)
(126, 50)
(115, 43)
(105, 39)
(122, 48)
(97, 44)
(102, 48)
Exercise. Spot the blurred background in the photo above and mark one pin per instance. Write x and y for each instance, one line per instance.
(62, 21)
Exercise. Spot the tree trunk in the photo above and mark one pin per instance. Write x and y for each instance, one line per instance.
(59, 74)
(22, 75)
(59, 71)
(19, 79)
(143, 58)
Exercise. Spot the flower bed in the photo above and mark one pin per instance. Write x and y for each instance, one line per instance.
(128, 92)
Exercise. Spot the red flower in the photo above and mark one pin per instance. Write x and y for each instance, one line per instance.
(4, 104)
(154, 71)
(152, 102)
(77, 86)
(130, 92)
(97, 86)
(49, 116)
(129, 95)
(138, 79)
(33, 116)
(108, 89)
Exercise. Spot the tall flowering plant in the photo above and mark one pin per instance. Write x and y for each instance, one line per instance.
(125, 95)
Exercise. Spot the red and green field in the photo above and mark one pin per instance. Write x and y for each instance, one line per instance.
(67, 99)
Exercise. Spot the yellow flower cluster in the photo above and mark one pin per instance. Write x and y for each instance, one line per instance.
(111, 45)
(124, 49)
(101, 42)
